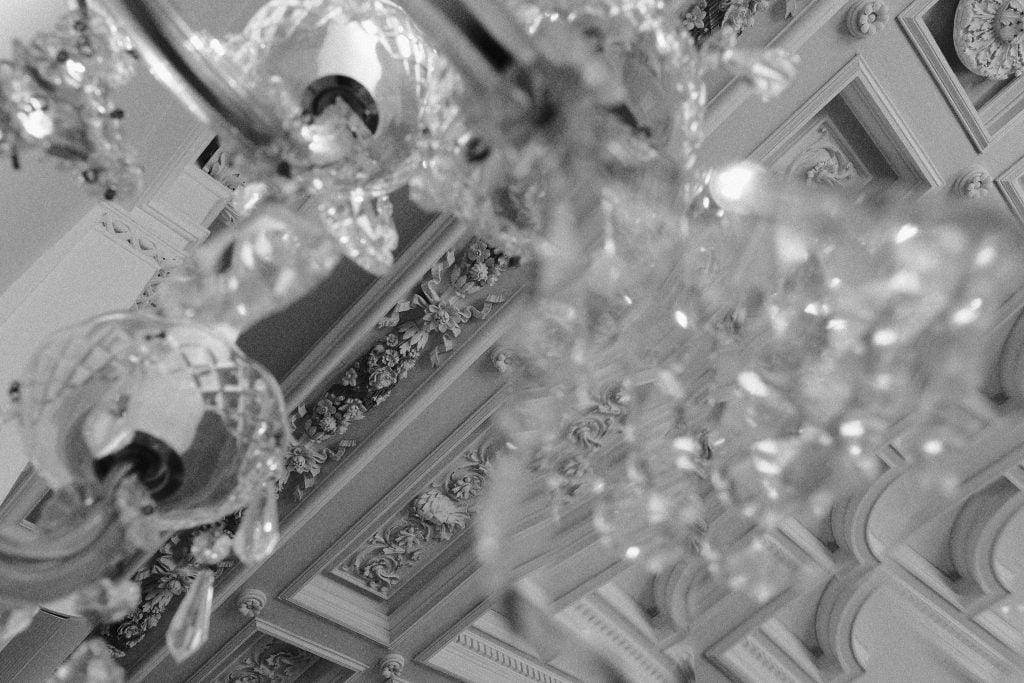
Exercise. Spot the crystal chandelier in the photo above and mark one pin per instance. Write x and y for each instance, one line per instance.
(742, 341)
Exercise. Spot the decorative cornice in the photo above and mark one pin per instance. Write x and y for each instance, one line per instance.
(621, 643)
(127, 232)
(443, 306)
(440, 310)
(769, 666)
(874, 110)
(513, 664)
(434, 516)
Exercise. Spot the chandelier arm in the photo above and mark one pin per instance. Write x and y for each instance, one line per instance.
(190, 73)
(478, 36)
(31, 569)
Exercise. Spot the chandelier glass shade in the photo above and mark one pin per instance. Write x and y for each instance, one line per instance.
(689, 338)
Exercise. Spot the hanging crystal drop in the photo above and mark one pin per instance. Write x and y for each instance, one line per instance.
(190, 626)
(14, 620)
(258, 533)
(90, 663)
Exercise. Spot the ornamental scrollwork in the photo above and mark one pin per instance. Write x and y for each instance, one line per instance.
(433, 516)
(701, 18)
(440, 309)
(164, 580)
(597, 424)
(449, 288)
(989, 37)
(272, 662)
(824, 165)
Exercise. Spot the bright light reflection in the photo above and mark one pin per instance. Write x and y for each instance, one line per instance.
(906, 232)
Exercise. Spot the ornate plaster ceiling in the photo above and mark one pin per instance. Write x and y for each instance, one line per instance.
(900, 582)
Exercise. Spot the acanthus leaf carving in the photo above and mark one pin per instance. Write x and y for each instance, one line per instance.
(166, 578)
(442, 306)
(273, 662)
(989, 37)
(434, 516)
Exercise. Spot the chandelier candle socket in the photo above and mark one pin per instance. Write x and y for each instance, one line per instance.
(689, 342)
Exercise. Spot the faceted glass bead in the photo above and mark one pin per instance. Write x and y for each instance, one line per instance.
(190, 627)
(258, 532)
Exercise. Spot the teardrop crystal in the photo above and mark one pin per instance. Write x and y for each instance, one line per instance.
(258, 533)
(190, 627)
(90, 663)
(14, 620)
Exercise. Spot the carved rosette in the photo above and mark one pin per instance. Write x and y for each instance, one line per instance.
(251, 602)
(867, 18)
(391, 666)
(973, 183)
(989, 37)
(504, 359)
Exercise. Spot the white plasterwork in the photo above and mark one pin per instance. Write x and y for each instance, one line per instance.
(863, 94)
(981, 125)
(475, 657)
(621, 640)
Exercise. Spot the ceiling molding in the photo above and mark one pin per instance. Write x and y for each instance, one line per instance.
(475, 656)
(142, 242)
(612, 633)
(349, 337)
(755, 658)
(197, 135)
(342, 605)
(912, 21)
(976, 531)
(282, 623)
(967, 643)
(1009, 185)
(470, 433)
(857, 85)
(837, 610)
(791, 38)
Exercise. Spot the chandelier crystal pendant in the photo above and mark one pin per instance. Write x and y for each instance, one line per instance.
(55, 96)
(688, 341)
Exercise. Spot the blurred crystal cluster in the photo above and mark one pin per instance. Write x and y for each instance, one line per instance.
(755, 358)
(55, 95)
(690, 341)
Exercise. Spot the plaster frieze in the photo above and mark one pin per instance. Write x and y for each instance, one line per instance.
(622, 643)
(432, 517)
(456, 291)
(268, 661)
(989, 37)
(128, 233)
(472, 652)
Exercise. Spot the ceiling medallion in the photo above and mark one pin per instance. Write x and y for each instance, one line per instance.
(989, 37)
